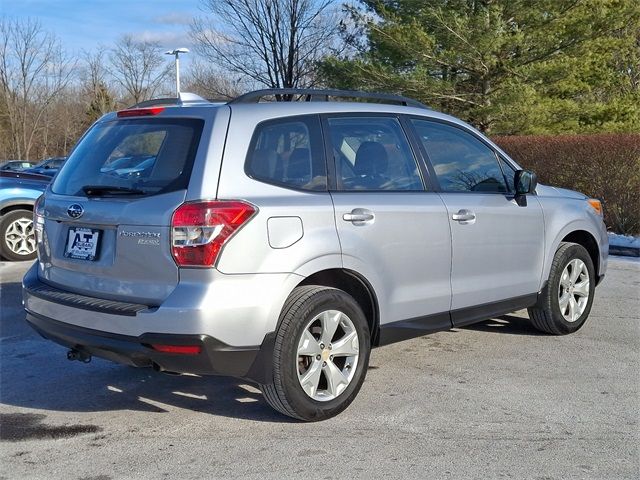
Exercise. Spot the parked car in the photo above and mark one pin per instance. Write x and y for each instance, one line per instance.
(18, 193)
(280, 241)
(15, 165)
(49, 167)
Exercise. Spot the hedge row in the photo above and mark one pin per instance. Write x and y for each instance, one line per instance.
(605, 166)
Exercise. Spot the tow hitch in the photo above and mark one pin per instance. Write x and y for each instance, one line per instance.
(74, 354)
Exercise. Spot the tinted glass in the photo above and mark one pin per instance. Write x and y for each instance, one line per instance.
(462, 162)
(149, 155)
(288, 152)
(509, 173)
(372, 153)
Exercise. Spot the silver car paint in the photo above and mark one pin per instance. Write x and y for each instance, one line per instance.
(497, 255)
(236, 309)
(405, 253)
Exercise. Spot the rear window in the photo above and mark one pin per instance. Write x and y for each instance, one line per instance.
(149, 156)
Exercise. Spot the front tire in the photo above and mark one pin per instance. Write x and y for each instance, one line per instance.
(565, 303)
(17, 236)
(321, 354)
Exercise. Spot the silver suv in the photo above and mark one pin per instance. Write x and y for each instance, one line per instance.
(279, 241)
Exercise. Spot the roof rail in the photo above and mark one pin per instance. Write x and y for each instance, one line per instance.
(184, 99)
(312, 94)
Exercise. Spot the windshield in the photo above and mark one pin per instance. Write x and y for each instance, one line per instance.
(147, 156)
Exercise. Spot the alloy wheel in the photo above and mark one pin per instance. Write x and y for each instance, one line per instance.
(20, 237)
(573, 294)
(327, 356)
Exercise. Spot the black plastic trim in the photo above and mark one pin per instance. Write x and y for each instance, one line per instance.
(312, 94)
(216, 357)
(467, 316)
(34, 286)
(416, 327)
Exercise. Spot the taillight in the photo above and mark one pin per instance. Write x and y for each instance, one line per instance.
(38, 207)
(200, 229)
(38, 218)
(140, 112)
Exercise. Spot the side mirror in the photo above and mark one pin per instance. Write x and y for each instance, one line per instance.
(525, 181)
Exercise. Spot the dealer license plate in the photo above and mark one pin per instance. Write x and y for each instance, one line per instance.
(82, 243)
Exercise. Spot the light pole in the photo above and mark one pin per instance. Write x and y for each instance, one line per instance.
(176, 52)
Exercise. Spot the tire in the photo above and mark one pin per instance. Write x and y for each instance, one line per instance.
(308, 309)
(17, 237)
(549, 315)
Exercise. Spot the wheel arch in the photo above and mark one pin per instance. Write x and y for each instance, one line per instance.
(355, 285)
(588, 241)
(19, 204)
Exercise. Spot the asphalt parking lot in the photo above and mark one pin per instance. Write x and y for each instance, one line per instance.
(496, 400)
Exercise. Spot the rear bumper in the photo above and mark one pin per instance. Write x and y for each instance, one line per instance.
(124, 332)
(215, 357)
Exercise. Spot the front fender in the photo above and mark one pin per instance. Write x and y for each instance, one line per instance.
(18, 201)
(564, 216)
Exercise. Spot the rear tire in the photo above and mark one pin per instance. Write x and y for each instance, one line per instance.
(308, 351)
(564, 305)
(17, 236)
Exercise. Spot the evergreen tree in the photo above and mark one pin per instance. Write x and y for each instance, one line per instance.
(507, 66)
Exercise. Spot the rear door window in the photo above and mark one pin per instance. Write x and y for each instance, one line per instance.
(149, 156)
(373, 154)
(288, 152)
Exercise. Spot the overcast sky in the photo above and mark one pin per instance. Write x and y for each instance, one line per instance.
(87, 24)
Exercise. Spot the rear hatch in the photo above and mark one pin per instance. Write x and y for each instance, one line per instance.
(106, 226)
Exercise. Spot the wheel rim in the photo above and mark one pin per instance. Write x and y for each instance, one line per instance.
(573, 294)
(327, 357)
(20, 237)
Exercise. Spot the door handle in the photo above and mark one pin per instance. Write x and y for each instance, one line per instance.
(358, 215)
(464, 216)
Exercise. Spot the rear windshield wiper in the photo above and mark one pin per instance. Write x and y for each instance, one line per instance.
(98, 190)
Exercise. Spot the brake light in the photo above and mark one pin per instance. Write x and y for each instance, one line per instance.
(200, 229)
(182, 349)
(38, 208)
(38, 218)
(140, 112)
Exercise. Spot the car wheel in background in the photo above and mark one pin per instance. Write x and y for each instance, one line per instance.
(17, 236)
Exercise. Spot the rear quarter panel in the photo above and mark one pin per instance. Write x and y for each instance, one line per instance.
(292, 232)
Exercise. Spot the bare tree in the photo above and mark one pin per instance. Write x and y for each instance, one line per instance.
(33, 71)
(210, 82)
(99, 97)
(275, 43)
(139, 67)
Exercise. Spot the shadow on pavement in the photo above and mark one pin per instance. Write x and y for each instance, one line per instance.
(34, 373)
(507, 324)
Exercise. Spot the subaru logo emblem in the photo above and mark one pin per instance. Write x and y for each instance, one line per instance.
(75, 210)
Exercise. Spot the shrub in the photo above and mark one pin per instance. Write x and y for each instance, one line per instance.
(604, 166)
